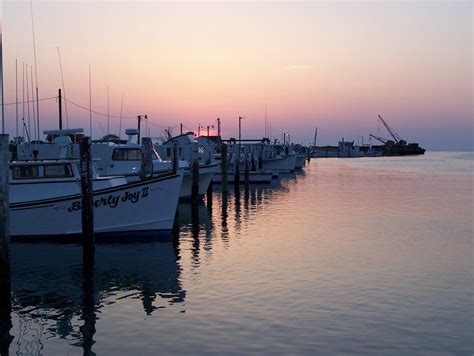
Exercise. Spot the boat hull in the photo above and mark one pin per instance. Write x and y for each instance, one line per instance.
(143, 207)
(300, 159)
(282, 165)
(205, 178)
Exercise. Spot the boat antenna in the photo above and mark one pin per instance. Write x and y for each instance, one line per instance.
(25, 129)
(23, 100)
(121, 112)
(64, 88)
(90, 104)
(103, 132)
(36, 134)
(108, 112)
(16, 94)
(266, 129)
(36, 70)
(28, 104)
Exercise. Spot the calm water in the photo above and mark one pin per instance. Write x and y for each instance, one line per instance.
(367, 256)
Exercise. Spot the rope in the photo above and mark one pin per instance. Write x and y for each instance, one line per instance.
(31, 101)
(97, 112)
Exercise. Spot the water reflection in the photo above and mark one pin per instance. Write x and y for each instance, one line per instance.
(5, 301)
(57, 296)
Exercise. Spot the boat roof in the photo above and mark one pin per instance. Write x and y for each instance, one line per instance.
(44, 161)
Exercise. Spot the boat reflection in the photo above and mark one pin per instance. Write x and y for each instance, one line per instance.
(56, 293)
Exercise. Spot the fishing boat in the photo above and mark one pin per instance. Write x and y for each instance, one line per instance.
(188, 149)
(45, 202)
(111, 158)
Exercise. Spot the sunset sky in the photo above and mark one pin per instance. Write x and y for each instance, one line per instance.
(330, 65)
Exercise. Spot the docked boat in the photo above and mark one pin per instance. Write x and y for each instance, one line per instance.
(111, 159)
(45, 202)
(345, 149)
(189, 150)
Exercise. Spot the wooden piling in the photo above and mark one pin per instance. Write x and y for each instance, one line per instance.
(5, 278)
(224, 166)
(237, 171)
(4, 202)
(88, 313)
(195, 182)
(175, 158)
(147, 159)
(246, 173)
(87, 202)
(209, 196)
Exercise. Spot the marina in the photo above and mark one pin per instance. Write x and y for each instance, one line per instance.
(235, 266)
(164, 189)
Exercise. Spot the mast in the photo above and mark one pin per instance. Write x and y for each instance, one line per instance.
(90, 104)
(64, 88)
(121, 112)
(108, 112)
(33, 105)
(16, 94)
(266, 125)
(28, 104)
(23, 100)
(36, 71)
(60, 110)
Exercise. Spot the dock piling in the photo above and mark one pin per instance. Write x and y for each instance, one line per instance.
(175, 158)
(87, 203)
(224, 166)
(237, 171)
(209, 196)
(4, 204)
(147, 159)
(195, 182)
(5, 277)
(246, 173)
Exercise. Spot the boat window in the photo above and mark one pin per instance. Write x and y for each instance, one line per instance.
(127, 154)
(168, 151)
(57, 170)
(25, 172)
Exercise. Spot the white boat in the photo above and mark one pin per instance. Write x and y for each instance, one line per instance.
(111, 159)
(300, 160)
(271, 157)
(45, 202)
(189, 150)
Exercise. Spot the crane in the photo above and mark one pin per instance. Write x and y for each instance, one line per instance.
(396, 137)
(380, 139)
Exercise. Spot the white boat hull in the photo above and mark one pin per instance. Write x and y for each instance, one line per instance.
(300, 159)
(282, 165)
(205, 178)
(141, 207)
